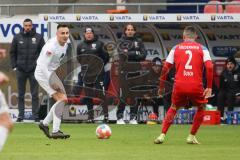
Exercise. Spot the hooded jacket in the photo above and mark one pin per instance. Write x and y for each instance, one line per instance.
(25, 50)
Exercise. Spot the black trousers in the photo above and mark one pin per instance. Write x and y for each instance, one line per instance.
(121, 108)
(22, 78)
(154, 102)
(227, 98)
(94, 90)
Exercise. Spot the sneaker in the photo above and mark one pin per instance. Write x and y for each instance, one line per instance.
(45, 129)
(105, 120)
(191, 139)
(19, 120)
(160, 139)
(120, 121)
(133, 121)
(60, 135)
(223, 120)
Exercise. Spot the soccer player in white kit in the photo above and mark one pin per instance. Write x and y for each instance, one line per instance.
(5, 120)
(49, 60)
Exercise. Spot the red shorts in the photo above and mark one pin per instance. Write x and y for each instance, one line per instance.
(182, 98)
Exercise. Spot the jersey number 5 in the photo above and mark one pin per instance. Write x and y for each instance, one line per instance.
(187, 65)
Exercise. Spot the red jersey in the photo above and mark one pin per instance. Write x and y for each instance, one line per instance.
(189, 59)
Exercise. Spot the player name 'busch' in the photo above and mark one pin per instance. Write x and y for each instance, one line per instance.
(188, 47)
(187, 73)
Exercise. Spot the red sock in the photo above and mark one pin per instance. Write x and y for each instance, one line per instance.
(168, 119)
(197, 121)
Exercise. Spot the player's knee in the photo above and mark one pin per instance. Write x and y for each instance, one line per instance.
(6, 121)
(63, 99)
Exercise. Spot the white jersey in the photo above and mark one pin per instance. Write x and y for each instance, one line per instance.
(48, 61)
(3, 103)
(51, 55)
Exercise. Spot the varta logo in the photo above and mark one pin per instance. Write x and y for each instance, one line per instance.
(57, 18)
(89, 17)
(224, 17)
(156, 18)
(123, 18)
(229, 37)
(190, 17)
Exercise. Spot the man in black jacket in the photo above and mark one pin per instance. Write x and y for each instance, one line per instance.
(92, 57)
(25, 49)
(131, 52)
(229, 85)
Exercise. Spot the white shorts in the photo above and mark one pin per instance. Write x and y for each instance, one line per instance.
(3, 103)
(50, 85)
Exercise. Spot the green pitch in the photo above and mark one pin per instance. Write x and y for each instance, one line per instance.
(128, 142)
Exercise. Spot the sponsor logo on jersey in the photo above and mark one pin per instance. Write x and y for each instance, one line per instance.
(34, 40)
(49, 53)
(94, 46)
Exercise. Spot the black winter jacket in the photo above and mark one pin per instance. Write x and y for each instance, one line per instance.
(25, 50)
(230, 81)
(94, 47)
(92, 57)
(135, 48)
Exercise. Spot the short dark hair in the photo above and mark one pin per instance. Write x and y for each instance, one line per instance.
(231, 59)
(62, 26)
(27, 20)
(189, 31)
(190, 28)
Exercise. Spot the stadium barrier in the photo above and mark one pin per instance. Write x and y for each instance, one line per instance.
(184, 116)
(233, 117)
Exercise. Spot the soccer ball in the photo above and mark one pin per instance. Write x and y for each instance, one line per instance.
(103, 131)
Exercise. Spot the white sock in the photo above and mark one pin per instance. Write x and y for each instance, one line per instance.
(57, 114)
(3, 136)
(49, 118)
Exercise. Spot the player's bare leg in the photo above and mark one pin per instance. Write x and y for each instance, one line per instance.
(168, 120)
(55, 116)
(197, 121)
(6, 126)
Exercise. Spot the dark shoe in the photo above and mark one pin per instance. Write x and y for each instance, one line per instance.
(45, 129)
(19, 120)
(90, 121)
(60, 135)
(105, 120)
(223, 121)
(37, 120)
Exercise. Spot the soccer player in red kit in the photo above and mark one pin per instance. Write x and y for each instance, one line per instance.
(189, 59)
